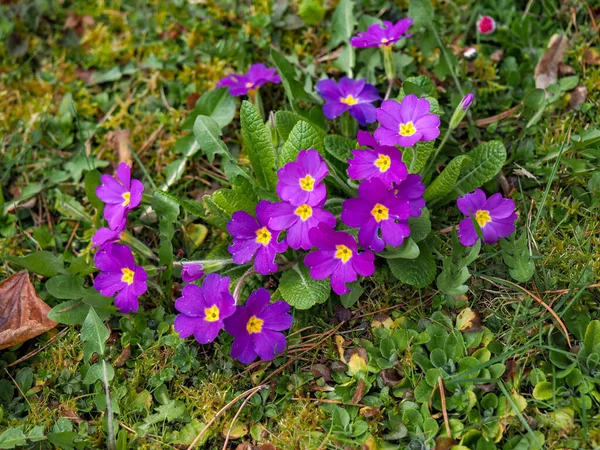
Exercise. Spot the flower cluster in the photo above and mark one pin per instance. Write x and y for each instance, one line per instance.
(256, 327)
(119, 275)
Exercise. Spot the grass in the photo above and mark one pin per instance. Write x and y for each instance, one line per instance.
(94, 72)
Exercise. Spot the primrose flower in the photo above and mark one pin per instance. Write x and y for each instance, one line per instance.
(121, 195)
(191, 272)
(106, 235)
(382, 162)
(254, 236)
(120, 275)
(486, 25)
(300, 182)
(377, 210)
(466, 101)
(495, 216)
(406, 123)
(337, 257)
(350, 95)
(382, 36)
(298, 221)
(203, 309)
(257, 328)
(248, 83)
(412, 189)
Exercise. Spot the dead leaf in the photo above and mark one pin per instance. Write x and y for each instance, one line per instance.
(123, 357)
(190, 101)
(267, 446)
(119, 139)
(444, 443)
(578, 96)
(565, 69)
(511, 369)
(23, 315)
(357, 360)
(390, 377)
(591, 57)
(546, 71)
(321, 371)
(369, 412)
(497, 56)
(359, 392)
(382, 320)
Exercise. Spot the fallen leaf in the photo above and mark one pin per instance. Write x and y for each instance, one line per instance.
(123, 357)
(591, 57)
(497, 56)
(23, 315)
(357, 360)
(546, 71)
(190, 101)
(359, 392)
(578, 96)
(321, 371)
(565, 69)
(267, 446)
(119, 139)
(444, 443)
(390, 377)
(511, 369)
(382, 320)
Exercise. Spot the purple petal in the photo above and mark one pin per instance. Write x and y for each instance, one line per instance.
(333, 110)
(343, 274)
(466, 232)
(186, 325)
(471, 203)
(276, 316)
(191, 272)
(242, 349)
(394, 233)
(207, 332)
(268, 344)
(364, 264)
(264, 262)
(126, 301)
(364, 113)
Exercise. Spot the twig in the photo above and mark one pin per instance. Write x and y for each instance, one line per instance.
(37, 350)
(249, 392)
(240, 283)
(234, 420)
(444, 411)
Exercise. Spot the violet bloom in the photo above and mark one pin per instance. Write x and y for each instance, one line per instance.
(466, 101)
(107, 236)
(406, 123)
(120, 275)
(337, 257)
(382, 162)
(495, 216)
(298, 221)
(412, 189)
(300, 182)
(203, 309)
(248, 83)
(382, 36)
(252, 236)
(257, 328)
(350, 95)
(121, 195)
(191, 272)
(377, 210)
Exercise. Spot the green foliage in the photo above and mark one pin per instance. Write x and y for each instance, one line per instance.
(293, 89)
(445, 181)
(455, 273)
(167, 212)
(516, 255)
(342, 23)
(423, 151)
(94, 335)
(303, 136)
(300, 290)
(216, 104)
(311, 11)
(208, 136)
(419, 272)
(43, 263)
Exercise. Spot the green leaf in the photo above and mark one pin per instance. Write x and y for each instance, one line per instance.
(63, 439)
(421, 11)
(36, 434)
(208, 135)
(592, 337)
(420, 227)
(72, 312)
(94, 335)
(311, 11)
(408, 250)
(446, 180)
(24, 378)
(515, 253)
(173, 410)
(484, 163)
(286, 120)
(418, 272)
(217, 104)
(302, 291)
(96, 372)
(81, 162)
(342, 23)
(455, 273)
(69, 287)
(423, 151)
(303, 137)
(92, 181)
(241, 197)
(43, 263)
(293, 89)
(187, 146)
(167, 211)
(12, 437)
(339, 148)
(543, 391)
(258, 145)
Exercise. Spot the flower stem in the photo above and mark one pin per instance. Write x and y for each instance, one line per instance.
(389, 89)
(258, 104)
(203, 261)
(348, 125)
(240, 283)
(111, 444)
(144, 170)
(439, 149)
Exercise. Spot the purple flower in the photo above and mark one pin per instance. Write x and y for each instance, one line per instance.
(119, 275)
(495, 216)
(257, 326)
(203, 309)
(121, 195)
(252, 236)
(298, 221)
(412, 190)
(377, 210)
(337, 257)
(107, 236)
(248, 83)
(382, 36)
(406, 123)
(351, 95)
(466, 101)
(300, 181)
(383, 162)
(191, 272)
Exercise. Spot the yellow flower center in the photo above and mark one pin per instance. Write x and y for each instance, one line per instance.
(383, 162)
(254, 325)
(211, 314)
(304, 212)
(307, 183)
(482, 217)
(127, 275)
(380, 212)
(349, 100)
(263, 236)
(126, 198)
(343, 253)
(385, 40)
(248, 85)
(407, 129)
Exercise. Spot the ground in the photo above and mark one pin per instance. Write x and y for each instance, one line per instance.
(84, 85)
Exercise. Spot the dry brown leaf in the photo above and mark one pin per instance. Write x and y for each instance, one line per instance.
(359, 392)
(565, 70)
(578, 96)
(23, 315)
(119, 139)
(592, 57)
(546, 71)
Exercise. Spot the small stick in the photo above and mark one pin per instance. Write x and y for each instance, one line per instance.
(234, 420)
(444, 411)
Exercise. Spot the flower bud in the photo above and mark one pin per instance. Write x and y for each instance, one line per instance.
(461, 110)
